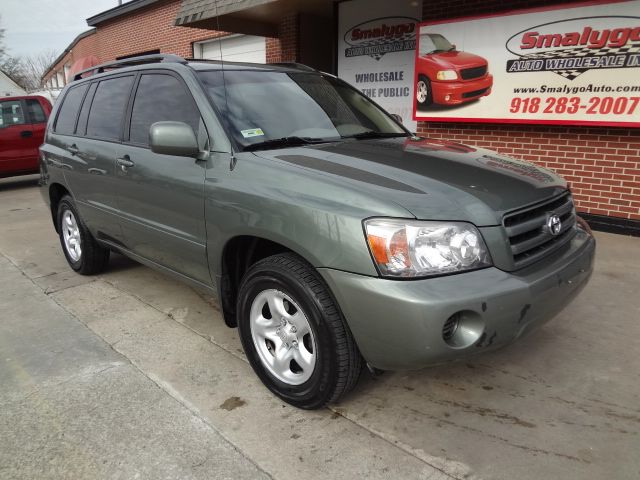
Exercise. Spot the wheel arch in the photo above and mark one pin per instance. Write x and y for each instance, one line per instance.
(56, 192)
(237, 256)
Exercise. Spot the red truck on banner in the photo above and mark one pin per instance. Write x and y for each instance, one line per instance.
(447, 76)
(573, 64)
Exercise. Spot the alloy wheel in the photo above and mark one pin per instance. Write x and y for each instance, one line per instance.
(283, 337)
(71, 235)
(422, 92)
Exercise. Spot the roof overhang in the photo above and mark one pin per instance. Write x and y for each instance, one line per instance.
(119, 10)
(251, 17)
(73, 43)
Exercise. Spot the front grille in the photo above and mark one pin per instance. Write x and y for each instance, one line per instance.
(475, 93)
(529, 236)
(475, 72)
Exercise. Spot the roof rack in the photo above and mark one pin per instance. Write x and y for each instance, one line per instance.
(132, 61)
(294, 65)
(291, 65)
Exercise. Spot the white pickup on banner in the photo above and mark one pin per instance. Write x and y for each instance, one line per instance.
(562, 64)
(376, 51)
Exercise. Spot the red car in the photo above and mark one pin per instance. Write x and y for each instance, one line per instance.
(22, 125)
(447, 76)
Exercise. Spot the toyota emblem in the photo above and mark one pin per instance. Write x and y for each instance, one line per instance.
(554, 225)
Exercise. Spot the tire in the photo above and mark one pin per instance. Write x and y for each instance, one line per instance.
(81, 250)
(423, 92)
(308, 358)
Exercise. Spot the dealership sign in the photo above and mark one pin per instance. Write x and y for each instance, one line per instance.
(376, 45)
(572, 53)
(569, 64)
(380, 36)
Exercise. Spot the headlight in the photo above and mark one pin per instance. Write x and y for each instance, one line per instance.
(408, 248)
(447, 75)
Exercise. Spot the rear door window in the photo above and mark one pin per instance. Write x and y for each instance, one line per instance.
(108, 108)
(81, 129)
(12, 113)
(36, 113)
(160, 98)
(66, 121)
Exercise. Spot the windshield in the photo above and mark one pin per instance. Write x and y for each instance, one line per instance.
(434, 42)
(266, 106)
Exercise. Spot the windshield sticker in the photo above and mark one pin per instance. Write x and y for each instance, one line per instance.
(252, 132)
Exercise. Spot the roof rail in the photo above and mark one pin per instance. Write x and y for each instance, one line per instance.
(131, 61)
(291, 65)
(294, 65)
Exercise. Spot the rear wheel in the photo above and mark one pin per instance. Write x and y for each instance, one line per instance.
(423, 91)
(83, 253)
(294, 336)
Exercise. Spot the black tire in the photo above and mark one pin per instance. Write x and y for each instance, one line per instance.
(338, 362)
(428, 99)
(93, 257)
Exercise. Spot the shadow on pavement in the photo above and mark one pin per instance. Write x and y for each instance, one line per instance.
(16, 183)
(120, 263)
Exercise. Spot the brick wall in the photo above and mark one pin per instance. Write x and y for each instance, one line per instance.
(285, 48)
(602, 164)
(148, 29)
(153, 28)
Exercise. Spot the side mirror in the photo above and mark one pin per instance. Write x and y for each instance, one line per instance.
(173, 138)
(397, 118)
(454, 46)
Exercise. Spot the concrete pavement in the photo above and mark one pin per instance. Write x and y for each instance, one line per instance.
(131, 373)
(72, 407)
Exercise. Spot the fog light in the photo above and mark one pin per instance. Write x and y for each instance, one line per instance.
(447, 98)
(450, 326)
(462, 329)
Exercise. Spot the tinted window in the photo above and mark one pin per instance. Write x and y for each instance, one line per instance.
(84, 111)
(36, 113)
(66, 121)
(107, 108)
(161, 98)
(12, 113)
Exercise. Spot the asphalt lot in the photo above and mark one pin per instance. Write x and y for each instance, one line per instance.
(133, 375)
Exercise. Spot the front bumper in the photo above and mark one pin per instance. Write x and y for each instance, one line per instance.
(454, 93)
(398, 324)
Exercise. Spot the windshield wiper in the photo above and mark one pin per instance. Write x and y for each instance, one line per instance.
(283, 142)
(372, 134)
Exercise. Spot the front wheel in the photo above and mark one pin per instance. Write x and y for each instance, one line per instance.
(294, 336)
(423, 91)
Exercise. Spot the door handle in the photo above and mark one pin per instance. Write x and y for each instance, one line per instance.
(73, 150)
(26, 133)
(124, 162)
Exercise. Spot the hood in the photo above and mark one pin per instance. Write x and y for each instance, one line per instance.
(433, 180)
(457, 59)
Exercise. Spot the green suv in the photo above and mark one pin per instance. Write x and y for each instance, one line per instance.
(333, 237)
